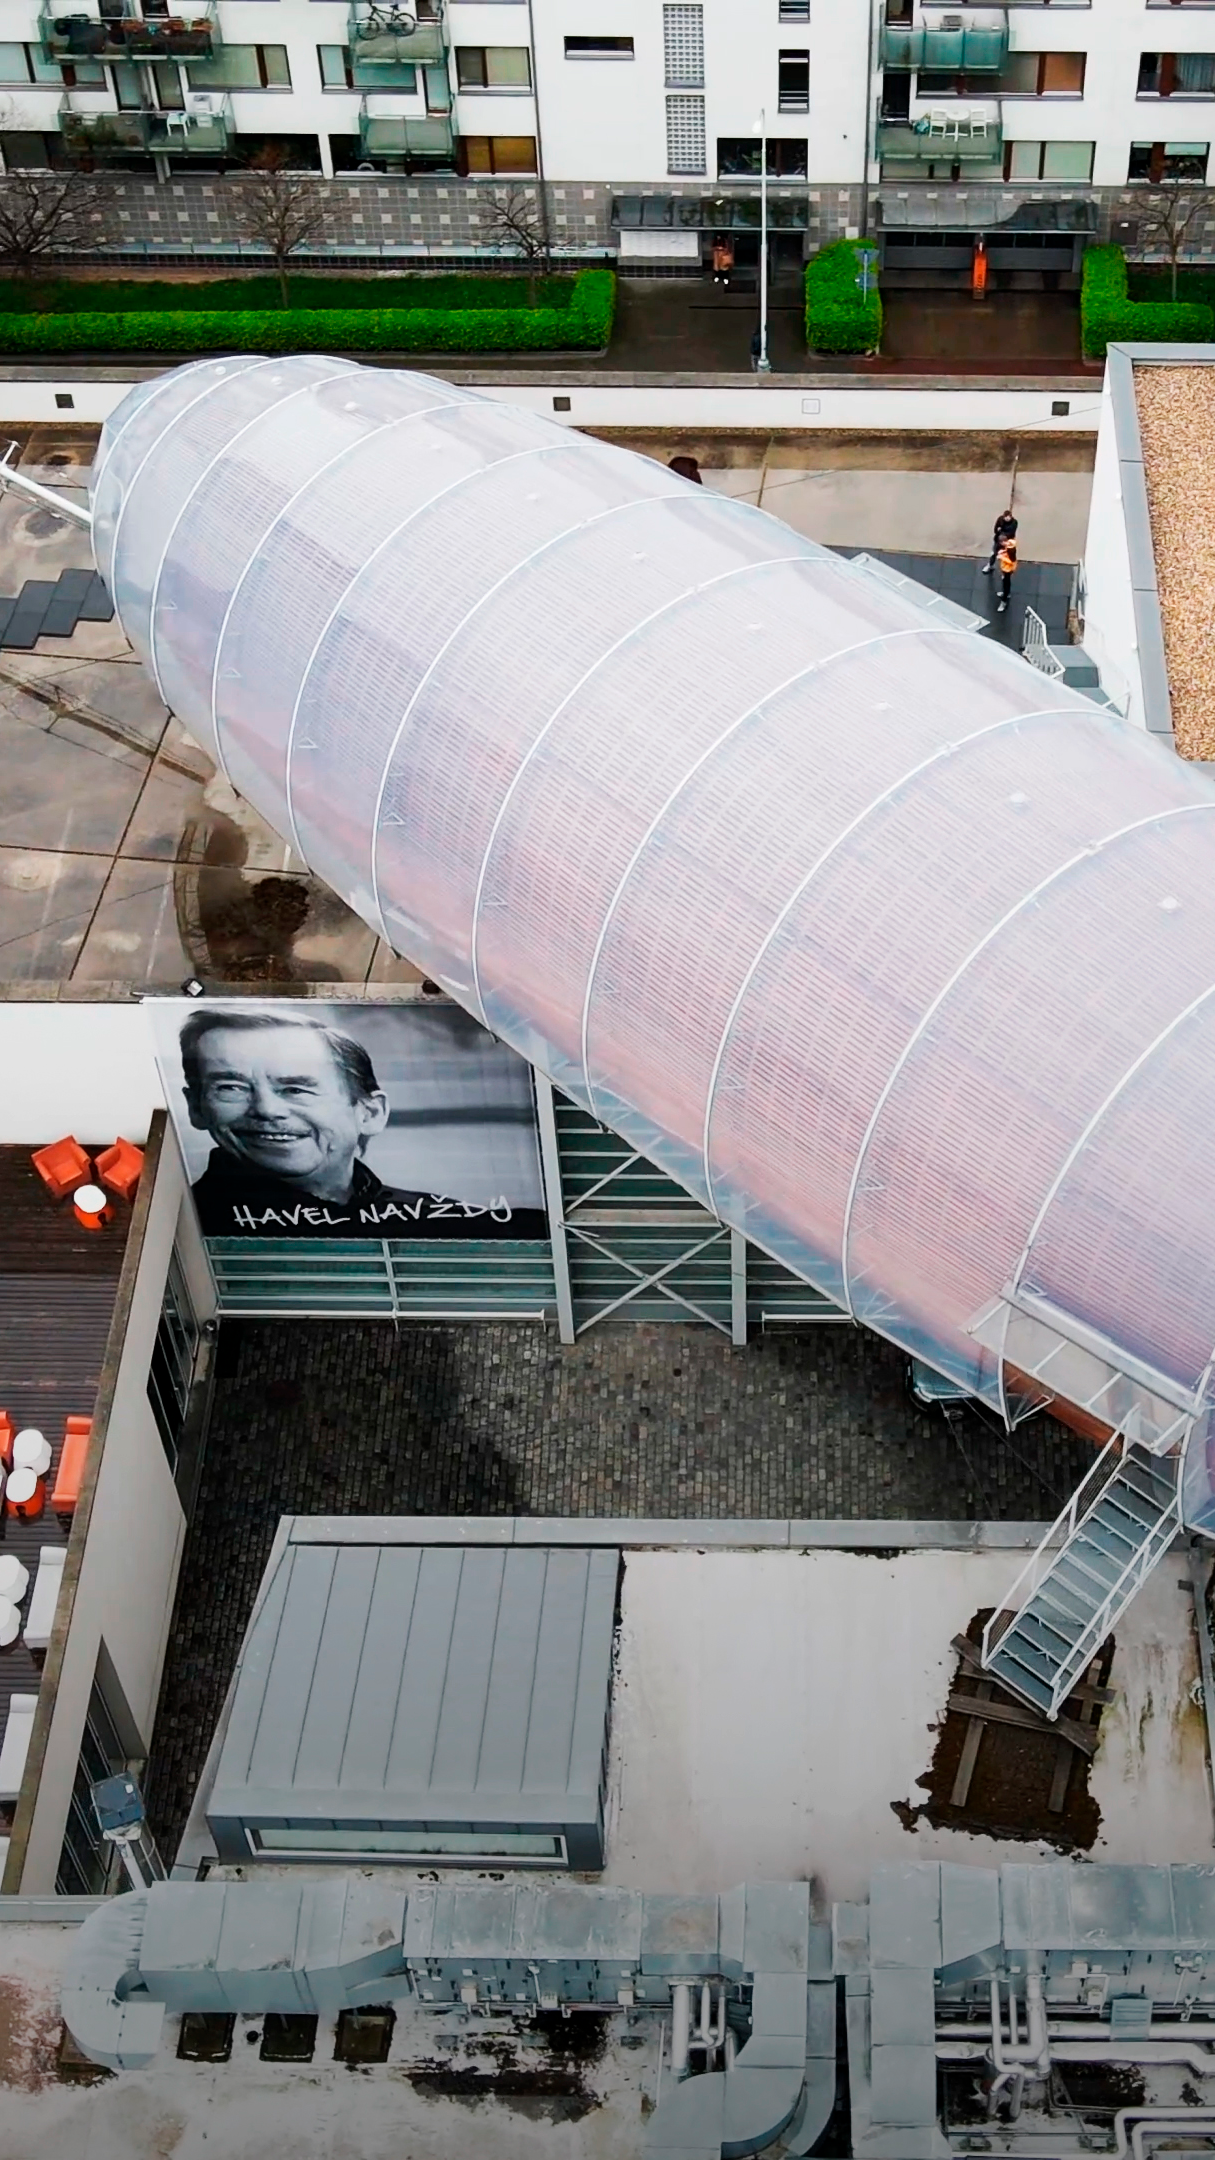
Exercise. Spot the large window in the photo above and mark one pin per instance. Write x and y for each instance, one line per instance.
(171, 1373)
(738, 157)
(599, 48)
(793, 82)
(242, 67)
(24, 64)
(685, 134)
(497, 153)
(1176, 74)
(301, 1841)
(493, 67)
(1168, 161)
(1048, 160)
(86, 1862)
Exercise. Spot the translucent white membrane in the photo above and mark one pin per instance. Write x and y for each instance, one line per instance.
(894, 952)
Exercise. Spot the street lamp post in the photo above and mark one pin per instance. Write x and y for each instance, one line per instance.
(763, 364)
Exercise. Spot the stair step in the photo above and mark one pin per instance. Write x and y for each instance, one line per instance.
(1130, 1520)
(1072, 1613)
(1030, 1654)
(1114, 1532)
(1021, 1679)
(1078, 1567)
(1046, 1631)
(1149, 1488)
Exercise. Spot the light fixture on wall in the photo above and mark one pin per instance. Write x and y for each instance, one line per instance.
(192, 987)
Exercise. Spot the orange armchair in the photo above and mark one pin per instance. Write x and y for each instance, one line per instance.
(62, 1166)
(7, 1436)
(77, 1433)
(119, 1168)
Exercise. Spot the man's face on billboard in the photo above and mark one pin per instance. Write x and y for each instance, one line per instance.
(277, 1100)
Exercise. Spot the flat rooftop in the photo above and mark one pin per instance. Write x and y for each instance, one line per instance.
(1176, 407)
(637, 1421)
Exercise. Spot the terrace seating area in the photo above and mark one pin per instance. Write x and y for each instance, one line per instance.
(59, 1274)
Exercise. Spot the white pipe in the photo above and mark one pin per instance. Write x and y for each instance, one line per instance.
(1148, 2122)
(77, 513)
(1124, 2051)
(1078, 2029)
(681, 2027)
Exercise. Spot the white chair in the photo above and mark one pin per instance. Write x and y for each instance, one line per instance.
(14, 1578)
(179, 120)
(978, 124)
(10, 1622)
(16, 1745)
(938, 122)
(47, 1583)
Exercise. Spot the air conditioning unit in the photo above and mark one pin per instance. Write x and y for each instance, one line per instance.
(953, 22)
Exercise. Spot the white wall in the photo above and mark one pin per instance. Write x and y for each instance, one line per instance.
(132, 1545)
(1109, 609)
(75, 1068)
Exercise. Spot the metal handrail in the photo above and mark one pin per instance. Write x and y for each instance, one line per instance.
(1035, 646)
(1061, 1530)
(1139, 1566)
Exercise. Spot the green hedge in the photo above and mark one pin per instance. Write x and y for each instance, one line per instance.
(585, 324)
(1109, 317)
(839, 318)
(44, 294)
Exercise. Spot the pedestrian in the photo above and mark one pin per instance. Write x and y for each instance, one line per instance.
(757, 347)
(1007, 559)
(687, 468)
(723, 259)
(1005, 529)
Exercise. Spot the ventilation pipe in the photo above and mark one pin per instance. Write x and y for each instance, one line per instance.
(895, 953)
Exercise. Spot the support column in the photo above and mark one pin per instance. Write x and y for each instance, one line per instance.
(323, 145)
(554, 1200)
(738, 1289)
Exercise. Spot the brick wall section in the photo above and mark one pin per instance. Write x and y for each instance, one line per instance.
(347, 1417)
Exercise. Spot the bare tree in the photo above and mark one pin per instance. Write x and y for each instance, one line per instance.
(47, 214)
(279, 210)
(1170, 213)
(513, 220)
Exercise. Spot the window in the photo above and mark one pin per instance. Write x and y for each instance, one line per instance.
(497, 153)
(493, 67)
(793, 82)
(793, 10)
(738, 157)
(302, 1840)
(86, 1861)
(24, 64)
(341, 71)
(683, 47)
(242, 67)
(1022, 75)
(171, 1373)
(1176, 75)
(685, 134)
(1168, 161)
(599, 48)
(1048, 161)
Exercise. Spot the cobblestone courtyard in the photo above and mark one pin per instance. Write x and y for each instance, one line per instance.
(340, 1417)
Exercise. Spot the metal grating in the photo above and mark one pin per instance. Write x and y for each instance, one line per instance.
(683, 47)
(685, 134)
(405, 1279)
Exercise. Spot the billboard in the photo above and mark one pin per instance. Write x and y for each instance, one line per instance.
(303, 1118)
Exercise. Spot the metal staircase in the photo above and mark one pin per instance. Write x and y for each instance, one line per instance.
(1090, 1564)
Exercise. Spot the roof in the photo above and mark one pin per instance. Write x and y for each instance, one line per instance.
(427, 1683)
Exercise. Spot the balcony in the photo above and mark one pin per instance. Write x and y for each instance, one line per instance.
(428, 138)
(972, 139)
(80, 36)
(205, 129)
(974, 50)
(393, 36)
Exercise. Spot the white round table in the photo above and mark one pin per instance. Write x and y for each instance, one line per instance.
(32, 1451)
(23, 1495)
(90, 1200)
(10, 1622)
(14, 1578)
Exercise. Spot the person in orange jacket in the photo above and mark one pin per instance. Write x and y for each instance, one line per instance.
(1007, 560)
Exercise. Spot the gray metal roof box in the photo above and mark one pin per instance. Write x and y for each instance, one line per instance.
(403, 1702)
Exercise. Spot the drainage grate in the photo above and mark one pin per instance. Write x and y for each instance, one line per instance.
(288, 2038)
(205, 2036)
(365, 2036)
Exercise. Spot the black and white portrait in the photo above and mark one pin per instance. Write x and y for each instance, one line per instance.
(310, 1120)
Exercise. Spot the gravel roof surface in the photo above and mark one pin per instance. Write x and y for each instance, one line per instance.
(1177, 428)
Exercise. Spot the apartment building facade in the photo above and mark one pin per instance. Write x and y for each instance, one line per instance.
(640, 121)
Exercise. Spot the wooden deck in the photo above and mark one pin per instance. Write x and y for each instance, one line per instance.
(57, 1289)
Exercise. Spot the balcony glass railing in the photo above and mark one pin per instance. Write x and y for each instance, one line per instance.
(193, 35)
(942, 139)
(393, 36)
(406, 135)
(191, 133)
(973, 50)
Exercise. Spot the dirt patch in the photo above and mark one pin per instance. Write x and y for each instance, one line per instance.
(30, 2028)
(548, 2082)
(1010, 1787)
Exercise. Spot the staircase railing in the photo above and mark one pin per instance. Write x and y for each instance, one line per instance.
(1035, 645)
(1133, 1575)
(1064, 1527)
